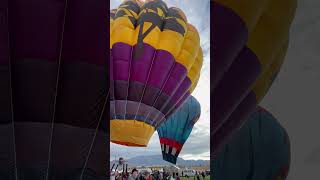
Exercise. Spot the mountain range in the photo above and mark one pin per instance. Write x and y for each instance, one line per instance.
(156, 160)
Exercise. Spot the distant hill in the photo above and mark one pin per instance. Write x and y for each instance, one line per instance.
(156, 160)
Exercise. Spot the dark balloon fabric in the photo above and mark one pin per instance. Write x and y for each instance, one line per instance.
(175, 131)
(249, 41)
(259, 150)
(6, 123)
(54, 83)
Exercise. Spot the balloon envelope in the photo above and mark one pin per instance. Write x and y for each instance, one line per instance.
(155, 64)
(259, 150)
(175, 131)
(250, 41)
(53, 76)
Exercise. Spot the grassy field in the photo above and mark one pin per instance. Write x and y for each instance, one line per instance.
(192, 178)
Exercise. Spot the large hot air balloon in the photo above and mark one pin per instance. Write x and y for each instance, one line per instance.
(259, 150)
(175, 131)
(249, 41)
(54, 84)
(155, 64)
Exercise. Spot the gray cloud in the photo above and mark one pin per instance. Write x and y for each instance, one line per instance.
(294, 97)
(199, 143)
(313, 157)
(114, 3)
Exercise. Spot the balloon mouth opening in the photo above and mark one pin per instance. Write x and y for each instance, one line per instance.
(169, 158)
(129, 144)
(129, 132)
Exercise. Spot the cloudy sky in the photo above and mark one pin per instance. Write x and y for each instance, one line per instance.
(198, 144)
(294, 98)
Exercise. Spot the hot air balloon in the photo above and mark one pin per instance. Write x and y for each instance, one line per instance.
(175, 131)
(54, 86)
(259, 150)
(155, 62)
(249, 41)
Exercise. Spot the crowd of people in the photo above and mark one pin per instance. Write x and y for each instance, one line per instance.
(198, 175)
(156, 175)
(136, 175)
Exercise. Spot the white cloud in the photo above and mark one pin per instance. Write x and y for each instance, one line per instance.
(198, 144)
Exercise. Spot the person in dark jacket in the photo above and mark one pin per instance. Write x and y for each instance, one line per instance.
(203, 175)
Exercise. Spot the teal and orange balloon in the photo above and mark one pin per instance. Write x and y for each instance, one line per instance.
(175, 131)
